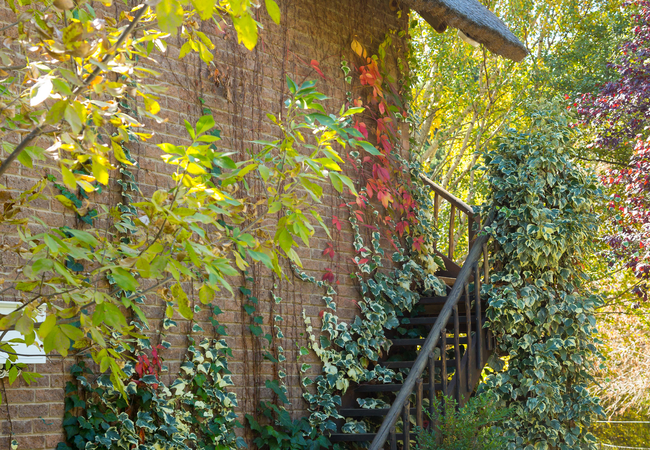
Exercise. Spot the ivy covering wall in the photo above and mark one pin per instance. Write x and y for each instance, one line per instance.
(545, 326)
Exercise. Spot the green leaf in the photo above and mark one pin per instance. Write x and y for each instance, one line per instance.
(273, 10)
(183, 301)
(74, 333)
(285, 240)
(61, 86)
(367, 146)
(262, 257)
(60, 268)
(170, 15)
(204, 124)
(42, 265)
(47, 326)
(56, 340)
(206, 294)
(83, 236)
(56, 112)
(279, 390)
(335, 178)
(124, 279)
(205, 8)
(26, 160)
(72, 117)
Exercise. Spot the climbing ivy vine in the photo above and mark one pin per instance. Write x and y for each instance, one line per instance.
(544, 223)
(393, 205)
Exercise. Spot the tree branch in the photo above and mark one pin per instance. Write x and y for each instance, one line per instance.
(106, 59)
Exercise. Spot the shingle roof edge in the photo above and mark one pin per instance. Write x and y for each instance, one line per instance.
(473, 19)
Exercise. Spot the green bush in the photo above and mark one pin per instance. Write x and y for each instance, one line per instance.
(475, 426)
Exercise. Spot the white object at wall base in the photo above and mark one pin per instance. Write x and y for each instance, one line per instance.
(28, 354)
(32, 354)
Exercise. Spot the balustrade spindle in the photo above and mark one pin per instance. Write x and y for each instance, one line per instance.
(452, 220)
(459, 372)
(406, 425)
(470, 349)
(443, 357)
(432, 384)
(479, 321)
(419, 391)
(393, 438)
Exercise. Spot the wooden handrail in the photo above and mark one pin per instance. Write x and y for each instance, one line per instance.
(431, 342)
(455, 201)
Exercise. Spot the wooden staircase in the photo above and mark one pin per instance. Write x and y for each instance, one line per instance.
(440, 348)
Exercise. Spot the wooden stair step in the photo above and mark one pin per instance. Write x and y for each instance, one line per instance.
(349, 437)
(420, 341)
(390, 387)
(409, 364)
(361, 412)
(432, 301)
(449, 281)
(432, 319)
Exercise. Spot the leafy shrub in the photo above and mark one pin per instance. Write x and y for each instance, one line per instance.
(286, 434)
(544, 225)
(195, 412)
(475, 426)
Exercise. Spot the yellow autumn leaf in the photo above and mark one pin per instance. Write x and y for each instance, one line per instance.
(68, 178)
(358, 48)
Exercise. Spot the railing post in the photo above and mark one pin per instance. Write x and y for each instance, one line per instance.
(419, 391)
(436, 207)
(406, 425)
(470, 348)
(459, 372)
(452, 220)
(443, 357)
(479, 321)
(432, 386)
(393, 438)
(471, 234)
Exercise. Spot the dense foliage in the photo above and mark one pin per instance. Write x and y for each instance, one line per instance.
(393, 206)
(617, 116)
(71, 101)
(194, 412)
(620, 109)
(475, 426)
(544, 223)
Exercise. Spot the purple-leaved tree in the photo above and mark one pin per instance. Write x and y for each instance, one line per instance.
(619, 114)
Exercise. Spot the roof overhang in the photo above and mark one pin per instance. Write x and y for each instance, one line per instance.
(473, 19)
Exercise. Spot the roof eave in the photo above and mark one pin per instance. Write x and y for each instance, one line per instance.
(473, 19)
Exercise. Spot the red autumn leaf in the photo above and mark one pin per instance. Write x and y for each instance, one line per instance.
(418, 242)
(359, 215)
(362, 128)
(316, 67)
(329, 250)
(401, 227)
(382, 108)
(363, 261)
(336, 223)
(328, 276)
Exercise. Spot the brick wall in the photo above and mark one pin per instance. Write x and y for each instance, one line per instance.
(246, 87)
